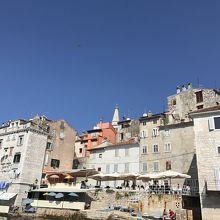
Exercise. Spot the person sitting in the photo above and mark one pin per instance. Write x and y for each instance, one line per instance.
(83, 185)
(164, 214)
(172, 214)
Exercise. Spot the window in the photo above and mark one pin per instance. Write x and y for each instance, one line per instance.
(75, 164)
(80, 150)
(200, 107)
(17, 158)
(217, 144)
(49, 146)
(1, 141)
(218, 150)
(144, 134)
(166, 132)
(156, 166)
(10, 151)
(126, 152)
(217, 122)
(167, 147)
(144, 123)
(155, 132)
(125, 125)
(20, 140)
(107, 168)
(144, 150)
(121, 136)
(156, 148)
(199, 97)
(99, 169)
(55, 163)
(43, 175)
(116, 168)
(126, 167)
(116, 152)
(168, 165)
(100, 155)
(155, 121)
(214, 123)
(144, 167)
(94, 143)
(174, 101)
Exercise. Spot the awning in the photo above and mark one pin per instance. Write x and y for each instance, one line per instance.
(3, 185)
(7, 196)
(63, 190)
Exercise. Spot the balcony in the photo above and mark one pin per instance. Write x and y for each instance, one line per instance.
(212, 185)
(71, 185)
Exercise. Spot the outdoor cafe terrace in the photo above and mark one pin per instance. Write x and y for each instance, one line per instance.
(159, 183)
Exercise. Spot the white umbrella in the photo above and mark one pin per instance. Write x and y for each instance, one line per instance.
(113, 176)
(129, 176)
(173, 175)
(148, 177)
(99, 176)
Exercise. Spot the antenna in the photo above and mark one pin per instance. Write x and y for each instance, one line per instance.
(129, 113)
(163, 106)
(198, 81)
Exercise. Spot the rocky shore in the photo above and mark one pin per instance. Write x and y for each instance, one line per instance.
(75, 215)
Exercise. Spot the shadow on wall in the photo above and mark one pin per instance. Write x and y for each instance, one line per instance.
(193, 181)
(211, 200)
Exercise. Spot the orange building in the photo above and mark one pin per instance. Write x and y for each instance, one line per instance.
(103, 131)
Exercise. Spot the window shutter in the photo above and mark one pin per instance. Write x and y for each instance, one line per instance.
(46, 160)
(217, 178)
(211, 124)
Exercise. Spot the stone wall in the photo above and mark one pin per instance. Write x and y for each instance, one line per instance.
(152, 204)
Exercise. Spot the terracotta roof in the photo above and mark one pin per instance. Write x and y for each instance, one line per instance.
(213, 108)
(131, 141)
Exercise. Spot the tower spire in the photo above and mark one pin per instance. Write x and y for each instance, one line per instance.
(115, 118)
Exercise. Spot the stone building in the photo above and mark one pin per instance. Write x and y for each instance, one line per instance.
(190, 99)
(167, 139)
(127, 129)
(150, 143)
(60, 147)
(31, 148)
(109, 158)
(22, 150)
(207, 143)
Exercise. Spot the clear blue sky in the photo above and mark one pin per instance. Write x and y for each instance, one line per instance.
(75, 60)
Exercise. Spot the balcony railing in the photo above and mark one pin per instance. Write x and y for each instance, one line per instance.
(213, 185)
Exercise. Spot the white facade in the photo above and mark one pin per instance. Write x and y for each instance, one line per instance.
(121, 158)
(22, 150)
(207, 142)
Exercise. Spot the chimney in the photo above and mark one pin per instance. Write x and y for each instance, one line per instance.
(177, 90)
(149, 114)
(189, 86)
(183, 88)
